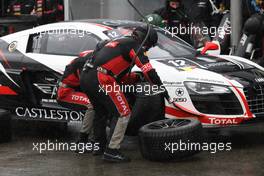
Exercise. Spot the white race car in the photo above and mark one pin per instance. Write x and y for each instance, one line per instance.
(219, 91)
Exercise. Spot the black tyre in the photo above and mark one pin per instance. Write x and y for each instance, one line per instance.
(168, 139)
(147, 108)
(5, 126)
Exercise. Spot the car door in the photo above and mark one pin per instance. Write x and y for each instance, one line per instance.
(46, 57)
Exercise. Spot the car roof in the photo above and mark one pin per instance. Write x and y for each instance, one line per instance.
(94, 25)
(112, 23)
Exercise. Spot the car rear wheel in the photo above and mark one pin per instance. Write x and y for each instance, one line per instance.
(170, 139)
(5, 126)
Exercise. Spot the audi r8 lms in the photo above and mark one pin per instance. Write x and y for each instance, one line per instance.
(217, 90)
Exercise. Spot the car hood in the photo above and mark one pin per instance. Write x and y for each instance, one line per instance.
(224, 70)
(216, 64)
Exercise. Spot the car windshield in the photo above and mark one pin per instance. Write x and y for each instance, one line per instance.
(170, 46)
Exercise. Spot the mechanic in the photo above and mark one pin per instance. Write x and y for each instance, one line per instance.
(173, 12)
(253, 27)
(70, 96)
(176, 15)
(203, 13)
(60, 10)
(249, 7)
(111, 65)
(47, 10)
(200, 10)
(38, 10)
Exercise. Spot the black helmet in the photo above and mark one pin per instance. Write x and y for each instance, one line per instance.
(140, 33)
(253, 24)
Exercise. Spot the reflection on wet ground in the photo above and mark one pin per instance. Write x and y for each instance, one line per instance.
(17, 158)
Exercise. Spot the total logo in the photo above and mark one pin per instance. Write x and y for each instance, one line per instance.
(222, 121)
(124, 110)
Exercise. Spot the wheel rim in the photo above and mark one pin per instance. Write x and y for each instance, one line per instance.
(167, 124)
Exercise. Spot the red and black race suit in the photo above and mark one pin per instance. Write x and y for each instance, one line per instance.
(69, 94)
(115, 57)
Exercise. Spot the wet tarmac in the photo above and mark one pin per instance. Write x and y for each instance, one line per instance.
(18, 158)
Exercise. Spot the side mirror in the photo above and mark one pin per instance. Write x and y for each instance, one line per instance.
(209, 46)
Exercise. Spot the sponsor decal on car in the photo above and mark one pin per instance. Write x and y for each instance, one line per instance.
(171, 84)
(180, 100)
(219, 64)
(12, 46)
(180, 64)
(49, 100)
(214, 81)
(224, 121)
(48, 114)
(179, 92)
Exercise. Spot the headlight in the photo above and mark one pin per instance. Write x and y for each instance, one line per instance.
(197, 88)
(213, 99)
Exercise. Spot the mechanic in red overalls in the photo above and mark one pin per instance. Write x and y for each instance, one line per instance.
(69, 95)
(111, 64)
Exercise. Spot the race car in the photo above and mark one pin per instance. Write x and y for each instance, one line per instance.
(219, 91)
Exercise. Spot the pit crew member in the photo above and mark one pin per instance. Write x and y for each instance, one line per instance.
(111, 65)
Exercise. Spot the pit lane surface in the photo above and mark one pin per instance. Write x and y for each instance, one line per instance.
(17, 158)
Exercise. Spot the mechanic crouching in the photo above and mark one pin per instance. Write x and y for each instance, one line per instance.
(101, 77)
(70, 96)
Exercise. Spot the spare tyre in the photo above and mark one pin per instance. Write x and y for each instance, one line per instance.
(170, 139)
(148, 107)
(5, 126)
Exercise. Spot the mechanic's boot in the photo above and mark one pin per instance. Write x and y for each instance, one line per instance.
(115, 156)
